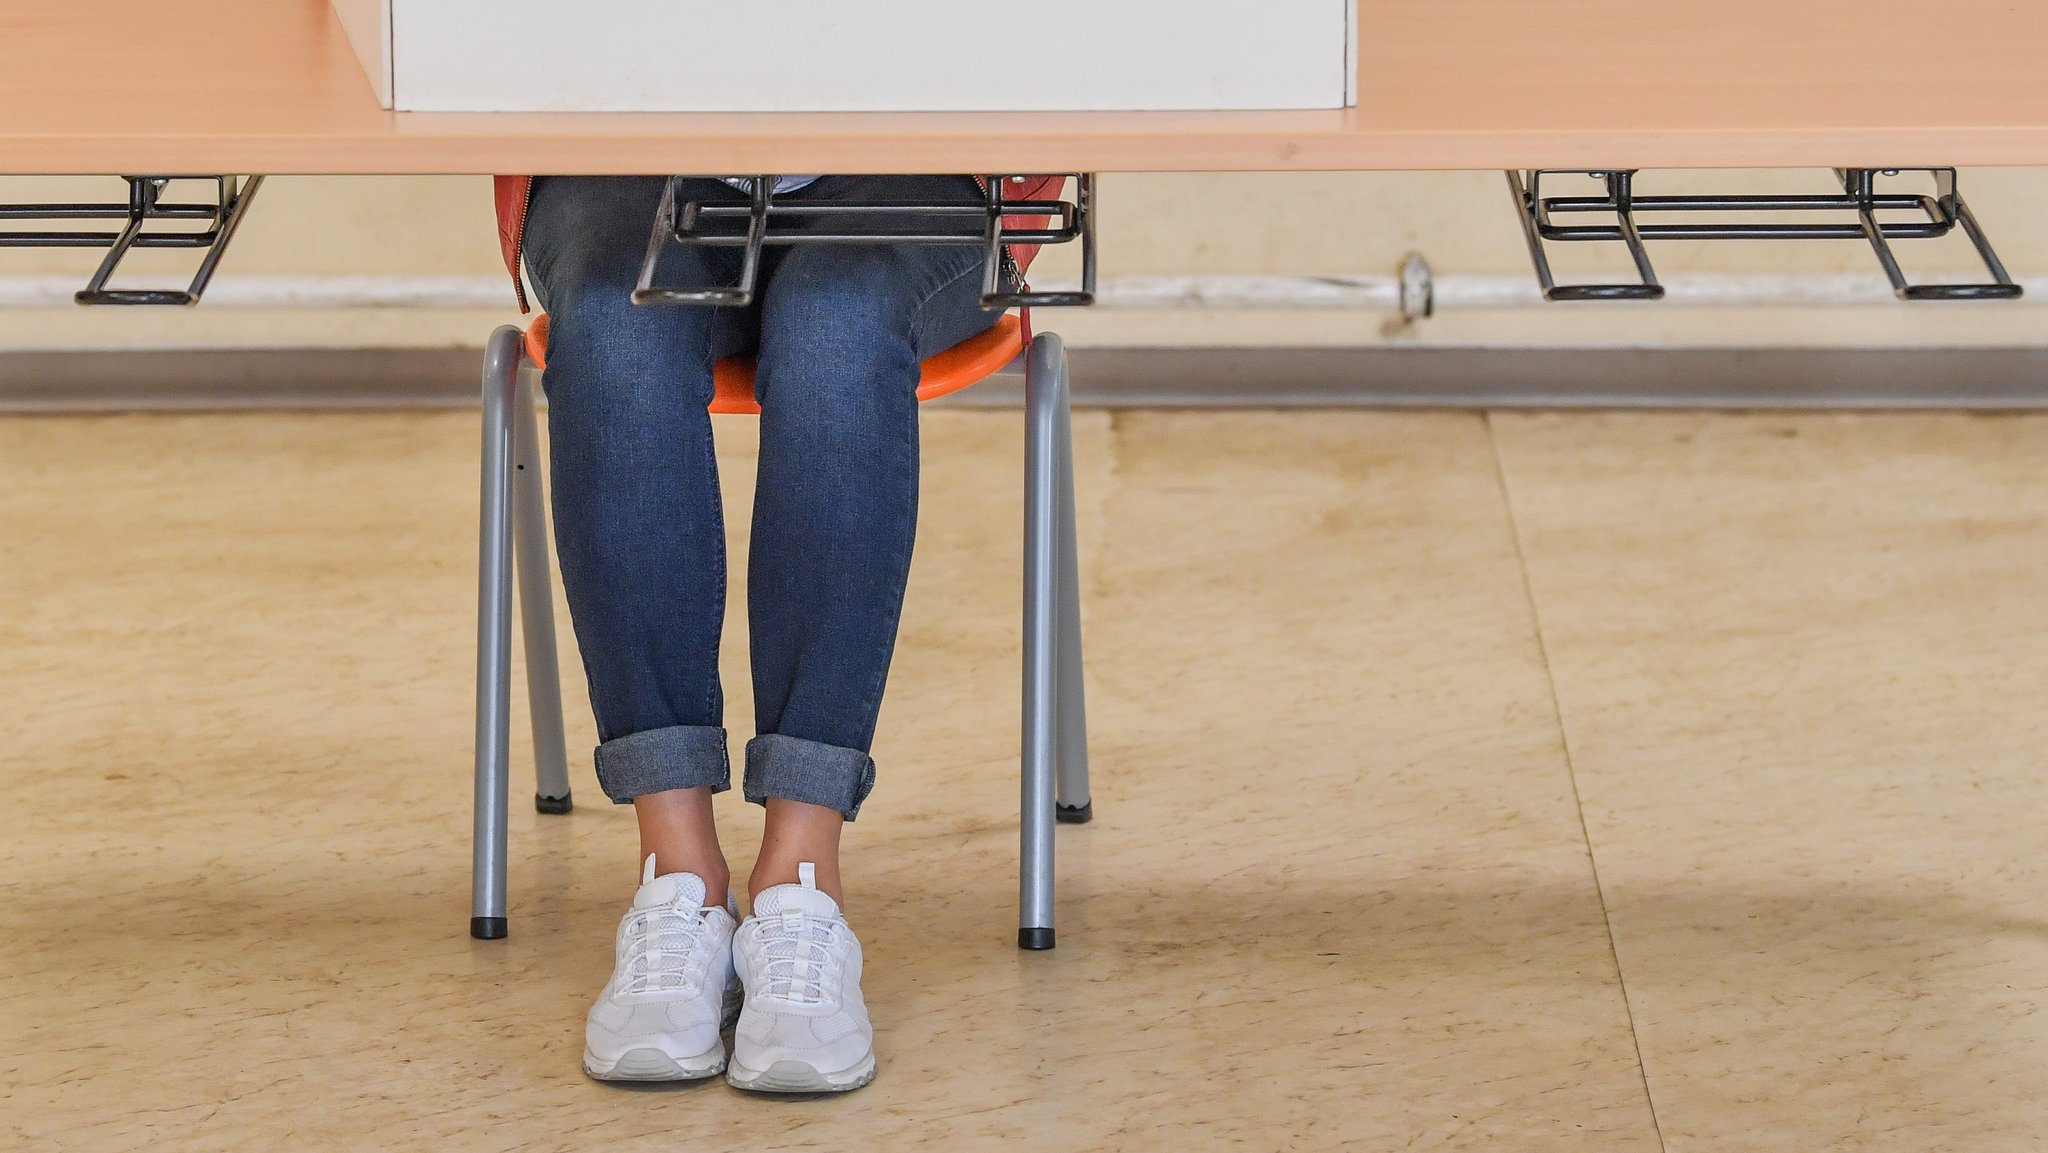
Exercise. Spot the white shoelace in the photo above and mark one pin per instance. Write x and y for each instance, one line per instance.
(803, 954)
(656, 939)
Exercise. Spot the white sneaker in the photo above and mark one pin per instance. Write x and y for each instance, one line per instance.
(672, 988)
(804, 1028)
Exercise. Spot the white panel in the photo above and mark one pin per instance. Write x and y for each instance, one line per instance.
(368, 24)
(1351, 54)
(827, 55)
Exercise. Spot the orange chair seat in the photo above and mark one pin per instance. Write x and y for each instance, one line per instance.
(968, 362)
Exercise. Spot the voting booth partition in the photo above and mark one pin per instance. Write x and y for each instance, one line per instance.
(833, 56)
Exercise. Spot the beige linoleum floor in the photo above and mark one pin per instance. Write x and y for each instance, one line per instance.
(1511, 783)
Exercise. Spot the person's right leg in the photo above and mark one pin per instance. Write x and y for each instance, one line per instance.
(638, 523)
(639, 530)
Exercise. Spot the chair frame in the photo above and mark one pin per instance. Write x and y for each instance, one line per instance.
(514, 537)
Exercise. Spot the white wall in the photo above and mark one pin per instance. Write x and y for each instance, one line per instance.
(1316, 224)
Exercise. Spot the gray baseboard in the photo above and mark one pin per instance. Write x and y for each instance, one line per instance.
(189, 379)
(1966, 378)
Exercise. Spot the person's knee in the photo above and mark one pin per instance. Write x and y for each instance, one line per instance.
(619, 361)
(854, 290)
(838, 333)
(584, 229)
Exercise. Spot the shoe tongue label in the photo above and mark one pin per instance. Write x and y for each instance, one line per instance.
(795, 899)
(688, 888)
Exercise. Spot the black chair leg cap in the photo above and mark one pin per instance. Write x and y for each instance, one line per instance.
(1074, 814)
(1034, 939)
(556, 805)
(489, 928)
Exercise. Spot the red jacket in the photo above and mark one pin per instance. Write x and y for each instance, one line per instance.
(515, 192)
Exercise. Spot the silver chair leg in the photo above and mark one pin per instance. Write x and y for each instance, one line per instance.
(494, 640)
(1073, 806)
(537, 607)
(1045, 406)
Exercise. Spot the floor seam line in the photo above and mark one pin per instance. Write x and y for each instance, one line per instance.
(1500, 472)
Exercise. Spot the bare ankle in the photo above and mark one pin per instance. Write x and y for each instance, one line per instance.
(676, 828)
(716, 876)
(797, 833)
(768, 874)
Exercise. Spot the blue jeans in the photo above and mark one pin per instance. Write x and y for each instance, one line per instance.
(838, 333)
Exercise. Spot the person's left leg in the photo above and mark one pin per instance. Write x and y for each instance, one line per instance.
(835, 511)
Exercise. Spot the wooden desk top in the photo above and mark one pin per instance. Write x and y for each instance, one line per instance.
(270, 86)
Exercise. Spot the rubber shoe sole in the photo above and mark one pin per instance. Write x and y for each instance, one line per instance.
(655, 1065)
(799, 1077)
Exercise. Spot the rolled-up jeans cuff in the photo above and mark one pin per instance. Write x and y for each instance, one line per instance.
(658, 760)
(809, 771)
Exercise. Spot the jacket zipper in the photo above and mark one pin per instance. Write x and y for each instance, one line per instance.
(519, 249)
(1009, 267)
